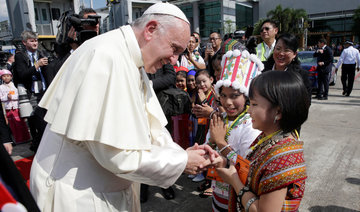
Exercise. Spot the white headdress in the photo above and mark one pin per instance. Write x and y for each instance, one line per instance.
(238, 69)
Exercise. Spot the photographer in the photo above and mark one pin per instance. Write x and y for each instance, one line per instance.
(29, 67)
(81, 27)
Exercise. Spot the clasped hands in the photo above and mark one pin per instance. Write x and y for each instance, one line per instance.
(201, 157)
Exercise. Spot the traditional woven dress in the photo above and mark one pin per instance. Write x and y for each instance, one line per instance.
(240, 137)
(278, 163)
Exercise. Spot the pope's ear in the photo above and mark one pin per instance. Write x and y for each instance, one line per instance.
(150, 29)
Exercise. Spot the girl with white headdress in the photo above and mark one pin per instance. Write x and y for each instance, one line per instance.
(238, 69)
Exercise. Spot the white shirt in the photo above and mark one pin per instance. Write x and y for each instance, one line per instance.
(5, 89)
(350, 55)
(268, 50)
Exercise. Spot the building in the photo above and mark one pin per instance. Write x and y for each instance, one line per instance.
(331, 19)
(223, 16)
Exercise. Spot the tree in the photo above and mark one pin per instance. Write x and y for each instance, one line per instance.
(356, 18)
(289, 20)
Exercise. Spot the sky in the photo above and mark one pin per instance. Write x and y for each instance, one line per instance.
(4, 14)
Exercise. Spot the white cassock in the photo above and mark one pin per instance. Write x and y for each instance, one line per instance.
(106, 131)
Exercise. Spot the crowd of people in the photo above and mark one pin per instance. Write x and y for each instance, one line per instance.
(104, 135)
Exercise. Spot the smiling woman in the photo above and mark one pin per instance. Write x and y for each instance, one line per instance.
(285, 58)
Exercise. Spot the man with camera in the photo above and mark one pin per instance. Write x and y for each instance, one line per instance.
(212, 48)
(83, 27)
(29, 68)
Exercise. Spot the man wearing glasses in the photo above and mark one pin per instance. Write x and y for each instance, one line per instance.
(268, 32)
(210, 51)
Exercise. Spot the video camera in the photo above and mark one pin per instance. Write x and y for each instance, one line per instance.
(68, 19)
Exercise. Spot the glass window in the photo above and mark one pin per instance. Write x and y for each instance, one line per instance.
(44, 15)
(209, 17)
(244, 16)
(36, 15)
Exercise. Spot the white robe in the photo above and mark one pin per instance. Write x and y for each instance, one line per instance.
(106, 131)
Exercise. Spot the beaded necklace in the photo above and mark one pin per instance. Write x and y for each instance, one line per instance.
(235, 122)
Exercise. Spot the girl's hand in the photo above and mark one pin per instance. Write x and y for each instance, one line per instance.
(217, 130)
(201, 95)
(9, 96)
(219, 162)
(229, 175)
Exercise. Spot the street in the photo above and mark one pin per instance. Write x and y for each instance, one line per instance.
(331, 135)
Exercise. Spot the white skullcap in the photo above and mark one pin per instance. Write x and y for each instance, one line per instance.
(166, 9)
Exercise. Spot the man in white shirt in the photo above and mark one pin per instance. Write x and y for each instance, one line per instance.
(268, 33)
(106, 129)
(348, 58)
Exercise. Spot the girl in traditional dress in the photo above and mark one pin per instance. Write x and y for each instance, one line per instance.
(238, 69)
(204, 104)
(275, 181)
(10, 98)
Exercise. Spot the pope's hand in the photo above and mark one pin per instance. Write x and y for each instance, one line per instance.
(199, 158)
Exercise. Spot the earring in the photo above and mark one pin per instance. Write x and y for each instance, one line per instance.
(275, 119)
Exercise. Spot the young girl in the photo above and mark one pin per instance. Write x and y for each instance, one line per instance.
(204, 105)
(237, 134)
(192, 91)
(180, 132)
(276, 179)
(181, 79)
(9, 96)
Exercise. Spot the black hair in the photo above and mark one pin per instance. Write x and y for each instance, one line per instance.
(193, 35)
(218, 33)
(322, 40)
(181, 73)
(202, 71)
(272, 22)
(86, 11)
(286, 90)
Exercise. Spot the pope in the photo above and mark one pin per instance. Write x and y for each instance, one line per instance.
(106, 129)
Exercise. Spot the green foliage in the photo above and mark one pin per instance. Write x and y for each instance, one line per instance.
(229, 26)
(289, 20)
(356, 18)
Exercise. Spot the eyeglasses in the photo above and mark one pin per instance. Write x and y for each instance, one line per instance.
(211, 39)
(265, 28)
(286, 51)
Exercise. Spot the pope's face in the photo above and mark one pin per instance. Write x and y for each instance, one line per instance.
(165, 45)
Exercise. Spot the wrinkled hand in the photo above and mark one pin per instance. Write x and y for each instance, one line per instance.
(8, 147)
(199, 158)
(202, 111)
(229, 175)
(217, 130)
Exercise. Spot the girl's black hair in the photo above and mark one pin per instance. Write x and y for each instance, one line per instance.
(181, 73)
(287, 91)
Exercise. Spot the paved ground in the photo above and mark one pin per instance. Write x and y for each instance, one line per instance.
(332, 155)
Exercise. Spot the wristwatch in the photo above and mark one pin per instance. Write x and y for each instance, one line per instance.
(241, 194)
